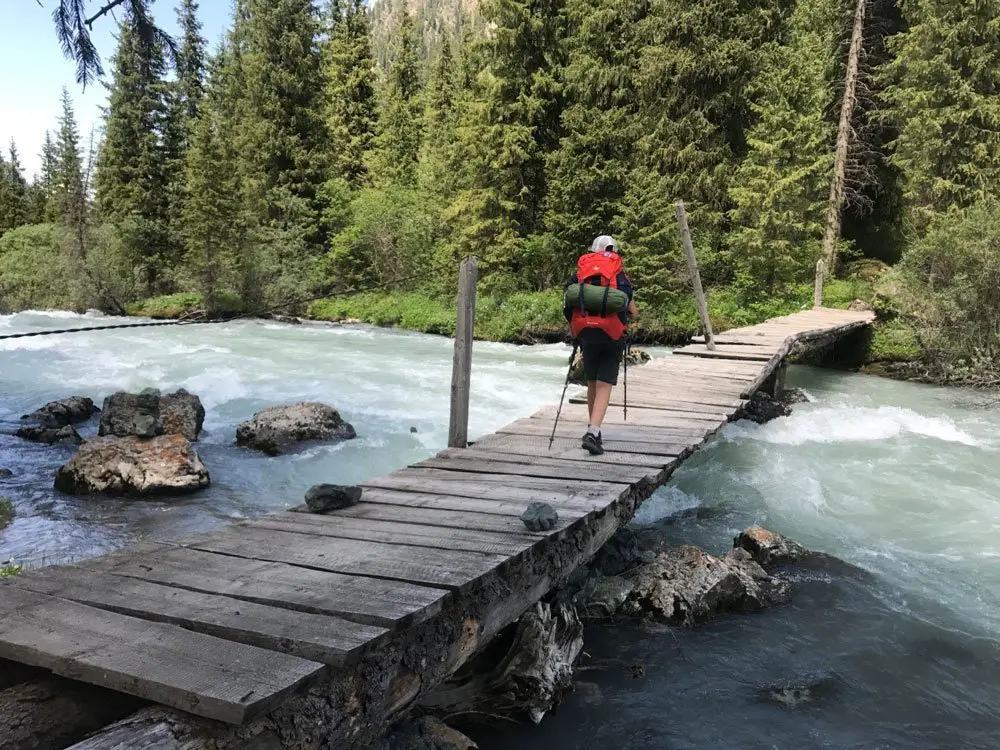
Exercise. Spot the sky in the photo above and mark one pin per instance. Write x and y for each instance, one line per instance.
(34, 70)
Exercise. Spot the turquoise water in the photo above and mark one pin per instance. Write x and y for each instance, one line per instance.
(899, 646)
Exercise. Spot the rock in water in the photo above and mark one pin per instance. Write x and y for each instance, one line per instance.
(768, 548)
(148, 414)
(166, 464)
(324, 497)
(66, 435)
(131, 414)
(277, 429)
(762, 408)
(181, 413)
(67, 411)
(540, 517)
(6, 473)
(636, 357)
(686, 585)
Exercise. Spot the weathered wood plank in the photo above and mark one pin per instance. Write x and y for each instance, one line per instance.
(393, 532)
(330, 640)
(615, 437)
(747, 353)
(567, 469)
(584, 499)
(637, 416)
(457, 516)
(565, 484)
(569, 448)
(543, 458)
(365, 600)
(198, 673)
(478, 506)
(426, 567)
(660, 404)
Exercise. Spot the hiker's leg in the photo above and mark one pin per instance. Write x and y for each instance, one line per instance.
(591, 392)
(602, 397)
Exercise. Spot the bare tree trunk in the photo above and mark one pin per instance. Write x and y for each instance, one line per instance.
(845, 132)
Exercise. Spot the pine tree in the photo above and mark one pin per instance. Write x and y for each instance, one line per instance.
(393, 159)
(437, 163)
(13, 192)
(47, 181)
(943, 92)
(350, 89)
(507, 129)
(132, 167)
(781, 187)
(190, 60)
(588, 174)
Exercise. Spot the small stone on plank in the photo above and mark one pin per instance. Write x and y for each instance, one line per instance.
(540, 517)
(326, 497)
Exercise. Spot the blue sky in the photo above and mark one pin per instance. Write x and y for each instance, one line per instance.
(34, 70)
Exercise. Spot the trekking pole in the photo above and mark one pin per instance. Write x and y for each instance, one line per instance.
(628, 346)
(569, 371)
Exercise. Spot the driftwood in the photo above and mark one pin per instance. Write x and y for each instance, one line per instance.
(348, 708)
(50, 712)
(525, 673)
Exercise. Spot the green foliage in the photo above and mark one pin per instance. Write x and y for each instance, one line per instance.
(10, 569)
(14, 205)
(32, 268)
(943, 93)
(6, 513)
(350, 89)
(173, 306)
(780, 189)
(415, 312)
(948, 283)
(894, 341)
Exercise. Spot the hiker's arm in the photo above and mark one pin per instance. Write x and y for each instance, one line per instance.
(632, 309)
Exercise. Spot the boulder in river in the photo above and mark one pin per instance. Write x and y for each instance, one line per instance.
(166, 464)
(278, 429)
(148, 414)
(72, 410)
(65, 435)
(768, 548)
(762, 408)
(6, 473)
(326, 497)
(686, 585)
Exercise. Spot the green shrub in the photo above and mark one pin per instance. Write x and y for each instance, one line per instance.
(173, 306)
(6, 512)
(894, 341)
(33, 269)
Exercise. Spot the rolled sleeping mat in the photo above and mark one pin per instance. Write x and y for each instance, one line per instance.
(596, 299)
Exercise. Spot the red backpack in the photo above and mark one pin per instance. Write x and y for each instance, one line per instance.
(601, 269)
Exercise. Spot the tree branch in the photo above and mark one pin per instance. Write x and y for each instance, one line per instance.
(111, 5)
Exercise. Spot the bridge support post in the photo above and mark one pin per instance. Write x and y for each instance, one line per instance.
(774, 386)
(818, 284)
(692, 264)
(461, 369)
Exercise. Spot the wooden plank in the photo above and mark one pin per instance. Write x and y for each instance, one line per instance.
(563, 469)
(729, 352)
(654, 463)
(198, 673)
(439, 568)
(637, 416)
(584, 498)
(369, 601)
(612, 433)
(393, 532)
(454, 515)
(476, 506)
(330, 640)
(636, 454)
(564, 484)
(703, 411)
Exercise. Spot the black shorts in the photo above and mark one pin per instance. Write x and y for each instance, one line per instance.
(602, 356)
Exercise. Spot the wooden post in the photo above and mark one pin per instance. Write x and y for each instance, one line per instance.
(692, 262)
(818, 288)
(461, 369)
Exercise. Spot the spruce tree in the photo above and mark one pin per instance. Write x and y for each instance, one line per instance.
(132, 168)
(588, 174)
(46, 181)
(508, 128)
(943, 92)
(13, 192)
(437, 164)
(349, 72)
(393, 159)
(781, 187)
(69, 191)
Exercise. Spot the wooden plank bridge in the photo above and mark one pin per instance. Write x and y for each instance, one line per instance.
(276, 612)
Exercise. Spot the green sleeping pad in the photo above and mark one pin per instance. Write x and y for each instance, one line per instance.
(593, 298)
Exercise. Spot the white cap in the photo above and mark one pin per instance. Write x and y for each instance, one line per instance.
(604, 242)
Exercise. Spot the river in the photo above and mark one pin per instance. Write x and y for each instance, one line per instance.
(899, 647)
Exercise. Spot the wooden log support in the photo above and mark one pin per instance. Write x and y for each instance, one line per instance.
(818, 284)
(692, 263)
(461, 371)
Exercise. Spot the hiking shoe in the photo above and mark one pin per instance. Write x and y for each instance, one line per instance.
(592, 444)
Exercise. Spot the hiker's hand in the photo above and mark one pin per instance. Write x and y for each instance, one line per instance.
(632, 309)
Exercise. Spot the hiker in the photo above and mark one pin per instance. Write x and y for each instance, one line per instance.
(599, 305)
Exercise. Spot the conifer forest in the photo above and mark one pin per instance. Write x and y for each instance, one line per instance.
(358, 151)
